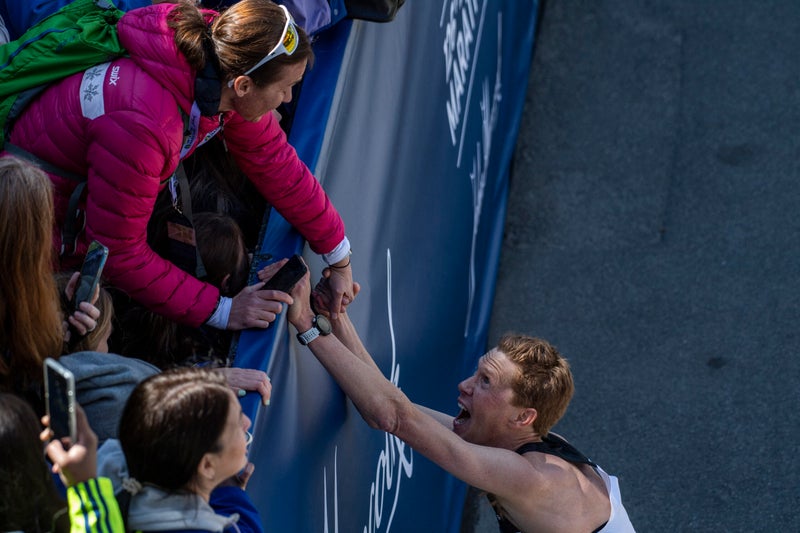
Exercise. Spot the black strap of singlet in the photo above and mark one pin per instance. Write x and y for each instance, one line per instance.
(554, 445)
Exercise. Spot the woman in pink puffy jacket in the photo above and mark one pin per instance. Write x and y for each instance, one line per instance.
(122, 124)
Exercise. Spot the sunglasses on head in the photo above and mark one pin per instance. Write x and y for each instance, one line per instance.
(287, 44)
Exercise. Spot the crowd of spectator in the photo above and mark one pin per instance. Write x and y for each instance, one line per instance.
(175, 284)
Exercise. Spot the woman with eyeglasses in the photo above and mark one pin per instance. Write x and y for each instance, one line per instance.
(189, 75)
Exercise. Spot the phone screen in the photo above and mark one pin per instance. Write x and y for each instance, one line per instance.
(91, 271)
(60, 399)
(289, 274)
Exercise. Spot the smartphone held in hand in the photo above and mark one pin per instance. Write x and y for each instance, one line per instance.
(289, 274)
(59, 392)
(91, 271)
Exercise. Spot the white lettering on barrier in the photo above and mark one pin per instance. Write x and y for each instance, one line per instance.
(480, 162)
(395, 459)
(462, 28)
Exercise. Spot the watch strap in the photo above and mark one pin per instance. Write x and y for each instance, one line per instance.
(308, 336)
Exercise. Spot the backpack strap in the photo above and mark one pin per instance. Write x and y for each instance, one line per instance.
(20, 103)
(48, 167)
(186, 210)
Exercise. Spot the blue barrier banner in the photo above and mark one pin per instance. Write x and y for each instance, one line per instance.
(411, 128)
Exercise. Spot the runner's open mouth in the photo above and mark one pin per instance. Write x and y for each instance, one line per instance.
(462, 416)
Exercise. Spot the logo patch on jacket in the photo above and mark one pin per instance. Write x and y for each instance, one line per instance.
(114, 78)
(91, 91)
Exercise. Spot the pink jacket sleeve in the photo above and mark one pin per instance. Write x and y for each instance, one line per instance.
(271, 163)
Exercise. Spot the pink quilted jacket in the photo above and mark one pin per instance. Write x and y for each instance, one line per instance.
(131, 149)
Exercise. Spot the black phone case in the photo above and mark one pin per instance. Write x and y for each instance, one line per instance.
(289, 274)
(91, 270)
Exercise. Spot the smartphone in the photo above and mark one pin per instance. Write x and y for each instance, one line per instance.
(289, 274)
(91, 271)
(59, 393)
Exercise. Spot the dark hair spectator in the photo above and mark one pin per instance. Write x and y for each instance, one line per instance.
(184, 436)
(223, 250)
(28, 497)
(171, 421)
(29, 500)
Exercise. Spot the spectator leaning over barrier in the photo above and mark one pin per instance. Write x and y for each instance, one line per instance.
(500, 442)
(181, 457)
(29, 500)
(189, 75)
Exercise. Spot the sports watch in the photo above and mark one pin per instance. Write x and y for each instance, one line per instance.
(319, 326)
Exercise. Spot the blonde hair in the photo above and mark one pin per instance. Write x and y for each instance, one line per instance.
(30, 321)
(544, 381)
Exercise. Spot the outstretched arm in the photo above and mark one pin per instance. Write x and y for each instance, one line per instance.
(383, 406)
(376, 398)
(346, 332)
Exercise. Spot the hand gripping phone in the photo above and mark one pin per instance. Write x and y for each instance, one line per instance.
(91, 271)
(59, 393)
(289, 274)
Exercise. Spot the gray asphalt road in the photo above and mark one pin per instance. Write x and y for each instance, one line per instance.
(653, 236)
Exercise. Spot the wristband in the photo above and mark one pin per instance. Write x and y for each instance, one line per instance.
(343, 266)
(341, 251)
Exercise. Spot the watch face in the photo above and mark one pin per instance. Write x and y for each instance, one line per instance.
(323, 325)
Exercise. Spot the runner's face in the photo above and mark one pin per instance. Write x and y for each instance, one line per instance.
(485, 401)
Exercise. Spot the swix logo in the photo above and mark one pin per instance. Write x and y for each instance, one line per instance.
(114, 78)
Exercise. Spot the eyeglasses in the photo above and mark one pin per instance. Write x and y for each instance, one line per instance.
(287, 44)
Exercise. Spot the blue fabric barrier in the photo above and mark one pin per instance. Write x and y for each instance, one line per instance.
(411, 128)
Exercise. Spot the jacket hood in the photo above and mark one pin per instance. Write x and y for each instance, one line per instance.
(103, 382)
(155, 510)
(150, 42)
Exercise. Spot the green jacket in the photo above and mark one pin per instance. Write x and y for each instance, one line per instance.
(93, 507)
